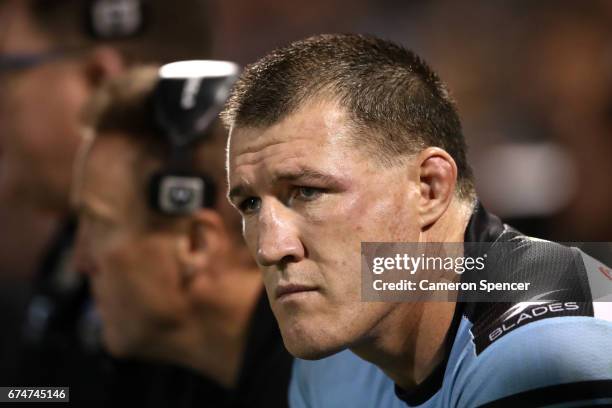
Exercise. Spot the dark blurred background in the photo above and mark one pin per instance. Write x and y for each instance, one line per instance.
(532, 80)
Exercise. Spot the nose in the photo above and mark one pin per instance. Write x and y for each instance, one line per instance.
(82, 254)
(278, 240)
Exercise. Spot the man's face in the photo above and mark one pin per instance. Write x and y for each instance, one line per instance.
(308, 200)
(132, 267)
(39, 116)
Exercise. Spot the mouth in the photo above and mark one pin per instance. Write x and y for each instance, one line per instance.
(291, 289)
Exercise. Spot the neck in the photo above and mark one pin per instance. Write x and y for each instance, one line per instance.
(409, 342)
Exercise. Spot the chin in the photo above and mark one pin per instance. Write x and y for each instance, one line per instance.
(306, 352)
(310, 344)
(116, 345)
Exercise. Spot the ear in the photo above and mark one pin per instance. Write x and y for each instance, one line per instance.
(102, 63)
(204, 242)
(437, 179)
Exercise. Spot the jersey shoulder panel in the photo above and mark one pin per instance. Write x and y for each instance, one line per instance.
(552, 352)
(559, 287)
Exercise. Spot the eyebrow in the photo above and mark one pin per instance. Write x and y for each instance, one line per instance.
(238, 191)
(304, 173)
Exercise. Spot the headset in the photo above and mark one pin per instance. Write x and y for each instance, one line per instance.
(185, 102)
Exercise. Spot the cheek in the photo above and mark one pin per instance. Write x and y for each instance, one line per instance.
(116, 278)
(142, 272)
(153, 261)
(384, 214)
(249, 234)
(335, 245)
(353, 218)
(118, 261)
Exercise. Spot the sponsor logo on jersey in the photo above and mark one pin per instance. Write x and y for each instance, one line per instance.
(525, 312)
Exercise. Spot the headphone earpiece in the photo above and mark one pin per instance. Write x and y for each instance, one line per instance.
(187, 99)
(179, 193)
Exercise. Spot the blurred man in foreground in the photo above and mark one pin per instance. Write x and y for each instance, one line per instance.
(171, 277)
(338, 140)
(53, 56)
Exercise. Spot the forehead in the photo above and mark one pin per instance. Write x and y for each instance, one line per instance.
(106, 177)
(318, 135)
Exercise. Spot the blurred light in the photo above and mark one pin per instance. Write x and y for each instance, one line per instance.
(525, 180)
(198, 68)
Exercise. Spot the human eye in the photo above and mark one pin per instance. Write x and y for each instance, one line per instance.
(305, 193)
(249, 205)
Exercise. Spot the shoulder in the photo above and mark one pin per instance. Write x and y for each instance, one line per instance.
(563, 282)
(518, 255)
(541, 361)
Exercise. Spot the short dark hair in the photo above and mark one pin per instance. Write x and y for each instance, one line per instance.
(172, 30)
(398, 104)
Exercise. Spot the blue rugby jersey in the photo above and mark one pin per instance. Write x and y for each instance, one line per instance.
(551, 348)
